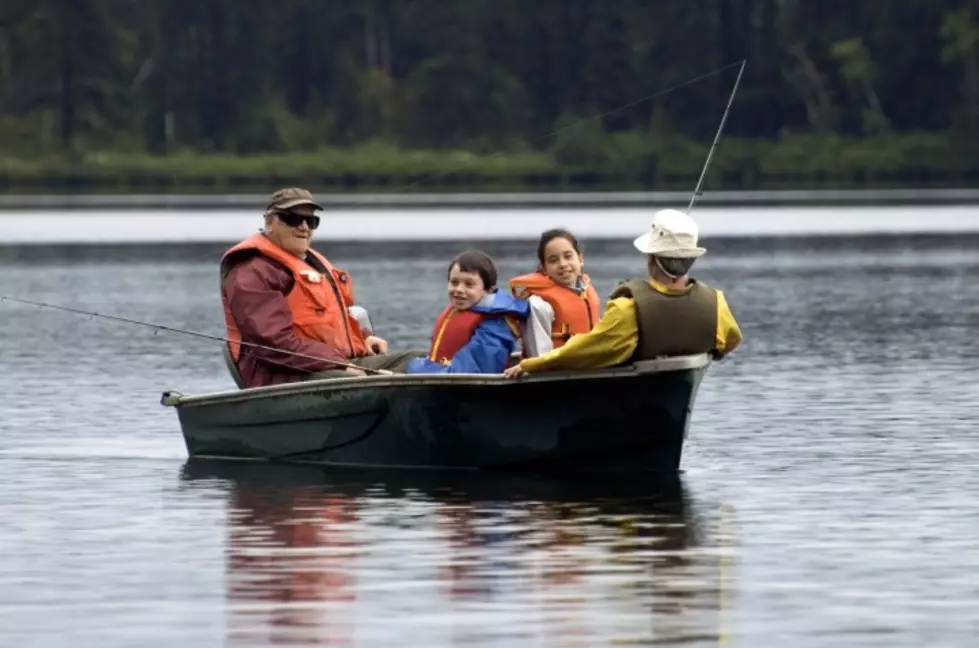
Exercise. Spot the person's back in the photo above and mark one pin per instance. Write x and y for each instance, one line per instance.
(672, 321)
(675, 314)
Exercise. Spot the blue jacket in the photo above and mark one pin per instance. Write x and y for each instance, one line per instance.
(489, 349)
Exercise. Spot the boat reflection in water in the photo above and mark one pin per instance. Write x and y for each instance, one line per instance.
(429, 559)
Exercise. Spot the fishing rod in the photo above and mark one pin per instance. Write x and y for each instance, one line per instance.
(601, 115)
(172, 329)
(216, 338)
(717, 137)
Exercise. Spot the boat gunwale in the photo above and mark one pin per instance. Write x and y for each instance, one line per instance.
(173, 398)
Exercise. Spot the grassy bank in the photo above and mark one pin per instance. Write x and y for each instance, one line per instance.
(623, 161)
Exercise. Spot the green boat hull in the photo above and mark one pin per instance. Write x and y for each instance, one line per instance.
(631, 418)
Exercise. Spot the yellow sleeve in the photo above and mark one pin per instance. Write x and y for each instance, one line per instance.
(612, 341)
(728, 333)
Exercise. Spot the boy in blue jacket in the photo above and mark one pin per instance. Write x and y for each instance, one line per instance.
(478, 330)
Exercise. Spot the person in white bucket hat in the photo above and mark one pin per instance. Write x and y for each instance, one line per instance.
(673, 235)
(666, 313)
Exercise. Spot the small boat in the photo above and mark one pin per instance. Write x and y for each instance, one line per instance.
(629, 418)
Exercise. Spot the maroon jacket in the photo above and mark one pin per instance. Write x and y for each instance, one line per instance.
(256, 290)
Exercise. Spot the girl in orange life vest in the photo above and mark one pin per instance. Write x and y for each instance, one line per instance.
(478, 330)
(562, 300)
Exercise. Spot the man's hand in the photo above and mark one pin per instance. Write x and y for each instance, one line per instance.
(513, 372)
(376, 345)
(354, 371)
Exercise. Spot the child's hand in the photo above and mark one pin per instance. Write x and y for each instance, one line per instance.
(513, 372)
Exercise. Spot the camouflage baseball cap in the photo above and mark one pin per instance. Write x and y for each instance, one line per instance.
(292, 197)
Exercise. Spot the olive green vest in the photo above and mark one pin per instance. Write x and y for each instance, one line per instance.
(671, 325)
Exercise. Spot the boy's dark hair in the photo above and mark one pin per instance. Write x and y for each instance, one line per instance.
(552, 234)
(478, 262)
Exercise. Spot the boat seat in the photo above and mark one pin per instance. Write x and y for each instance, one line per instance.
(232, 367)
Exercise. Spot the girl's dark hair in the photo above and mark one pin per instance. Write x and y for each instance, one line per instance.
(478, 262)
(552, 234)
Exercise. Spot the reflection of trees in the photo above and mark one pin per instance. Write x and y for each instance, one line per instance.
(556, 564)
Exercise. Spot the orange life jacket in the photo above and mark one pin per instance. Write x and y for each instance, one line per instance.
(318, 303)
(453, 330)
(574, 313)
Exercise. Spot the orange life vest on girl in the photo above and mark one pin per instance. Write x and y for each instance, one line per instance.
(453, 330)
(318, 303)
(574, 313)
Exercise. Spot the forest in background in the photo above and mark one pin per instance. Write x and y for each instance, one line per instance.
(377, 95)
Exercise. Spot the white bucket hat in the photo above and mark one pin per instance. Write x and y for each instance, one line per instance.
(673, 234)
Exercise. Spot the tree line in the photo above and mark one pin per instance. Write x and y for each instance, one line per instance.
(98, 88)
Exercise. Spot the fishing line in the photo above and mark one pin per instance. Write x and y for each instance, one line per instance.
(576, 124)
(172, 329)
(586, 120)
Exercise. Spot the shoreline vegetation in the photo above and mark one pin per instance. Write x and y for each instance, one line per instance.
(440, 97)
(629, 161)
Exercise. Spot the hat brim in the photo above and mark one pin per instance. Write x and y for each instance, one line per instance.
(289, 204)
(648, 245)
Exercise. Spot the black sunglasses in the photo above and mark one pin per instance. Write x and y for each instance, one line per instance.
(295, 220)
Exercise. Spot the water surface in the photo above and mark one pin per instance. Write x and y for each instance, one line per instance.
(830, 494)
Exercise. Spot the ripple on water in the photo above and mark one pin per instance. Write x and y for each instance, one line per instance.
(830, 493)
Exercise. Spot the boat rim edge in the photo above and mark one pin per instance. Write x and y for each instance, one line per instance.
(173, 398)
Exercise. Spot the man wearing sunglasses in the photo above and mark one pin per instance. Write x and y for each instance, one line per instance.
(278, 292)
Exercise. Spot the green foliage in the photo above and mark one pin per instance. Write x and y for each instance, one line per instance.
(359, 94)
(624, 160)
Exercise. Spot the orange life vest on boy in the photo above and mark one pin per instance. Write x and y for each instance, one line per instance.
(574, 313)
(453, 330)
(318, 303)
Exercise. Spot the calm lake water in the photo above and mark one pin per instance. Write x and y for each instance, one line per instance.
(830, 493)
